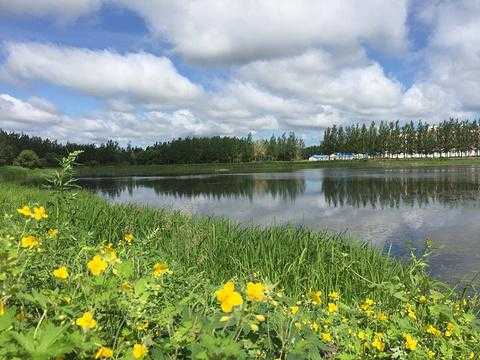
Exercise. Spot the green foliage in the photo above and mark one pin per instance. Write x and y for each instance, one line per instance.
(63, 179)
(176, 313)
(86, 279)
(28, 159)
(7, 153)
(190, 150)
(453, 135)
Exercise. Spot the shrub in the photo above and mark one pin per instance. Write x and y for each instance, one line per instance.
(28, 159)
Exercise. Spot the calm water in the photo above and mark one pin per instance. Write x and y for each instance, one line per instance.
(392, 209)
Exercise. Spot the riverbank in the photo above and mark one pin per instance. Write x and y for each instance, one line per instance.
(274, 166)
(109, 277)
(21, 175)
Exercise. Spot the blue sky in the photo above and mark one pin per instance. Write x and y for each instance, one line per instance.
(145, 71)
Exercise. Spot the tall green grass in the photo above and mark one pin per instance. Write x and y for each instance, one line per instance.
(297, 259)
(22, 175)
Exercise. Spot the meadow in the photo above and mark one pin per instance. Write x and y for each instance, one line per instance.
(82, 278)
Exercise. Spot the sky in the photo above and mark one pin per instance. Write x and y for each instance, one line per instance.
(151, 70)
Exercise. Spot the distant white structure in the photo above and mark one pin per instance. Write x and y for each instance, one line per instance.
(337, 156)
(318, 158)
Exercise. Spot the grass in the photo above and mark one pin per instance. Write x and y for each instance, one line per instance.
(268, 166)
(25, 176)
(298, 259)
(74, 287)
(22, 175)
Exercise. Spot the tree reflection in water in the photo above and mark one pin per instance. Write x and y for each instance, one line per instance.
(210, 187)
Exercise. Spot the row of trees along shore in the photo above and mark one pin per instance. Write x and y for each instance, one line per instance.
(32, 151)
(376, 139)
(389, 138)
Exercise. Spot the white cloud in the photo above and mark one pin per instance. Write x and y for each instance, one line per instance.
(140, 76)
(23, 114)
(300, 66)
(452, 55)
(63, 10)
(239, 31)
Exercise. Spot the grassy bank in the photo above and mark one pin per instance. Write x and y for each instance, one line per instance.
(221, 249)
(25, 176)
(193, 169)
(81, 278)
(21, 175)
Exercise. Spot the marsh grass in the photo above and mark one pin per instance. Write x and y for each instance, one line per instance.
(297, 259)
(20, 175)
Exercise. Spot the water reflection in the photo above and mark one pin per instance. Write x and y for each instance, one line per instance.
(400, 189)
(390, 209)
(209, 187)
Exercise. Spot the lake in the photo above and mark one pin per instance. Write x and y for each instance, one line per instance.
(395, 209)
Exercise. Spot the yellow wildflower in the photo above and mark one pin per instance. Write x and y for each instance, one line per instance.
(126, 286)
(143, 326)
(39, 213)
(326, 337)
(367, 304)
(431, 354)
(86, 321)
(97, 265)
(450, 329)
(29, 242)
(139, 351)
(410, 311)
(228, 297)
(160, 268)
(110, 255)
(316, 297)
(381, 316)
(254, 327)
(260, 317)
(255, 291)
(61, 273)
(432, 330)
(25, 211)
(332, 308)
(128, 237)
(2, 308)
(103, 353)
(294, 309)
(410, 342)
(378, 343)
(334, 296)
(53, 233)
(314, 326)
(362, 335)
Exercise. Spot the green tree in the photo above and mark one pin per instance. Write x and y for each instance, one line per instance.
(28, 159)
(7, 154)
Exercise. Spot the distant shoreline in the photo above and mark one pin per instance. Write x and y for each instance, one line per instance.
(271, 166)
(22, 175)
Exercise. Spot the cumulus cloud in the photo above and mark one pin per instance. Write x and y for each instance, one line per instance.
(63, 10)
(240, 31)
(16, 113)
(141, 76)
(301, 66)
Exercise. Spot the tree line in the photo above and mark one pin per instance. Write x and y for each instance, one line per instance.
(33, 151)
(389, 138)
